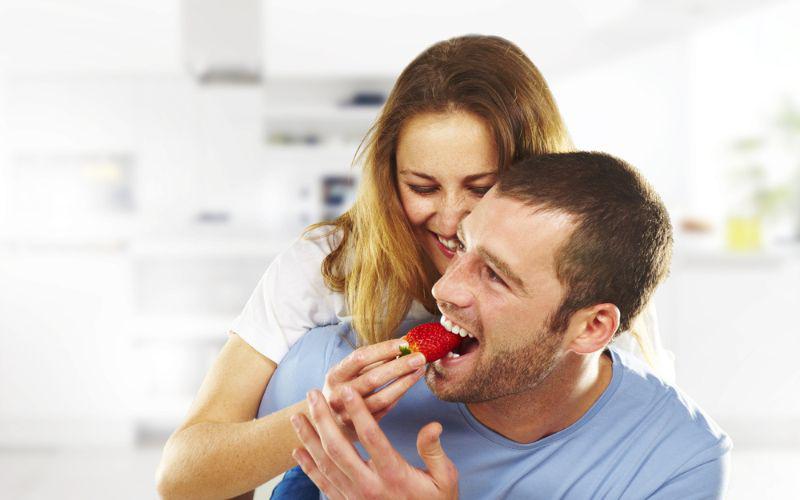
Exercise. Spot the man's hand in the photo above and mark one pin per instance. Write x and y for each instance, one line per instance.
(333, 463)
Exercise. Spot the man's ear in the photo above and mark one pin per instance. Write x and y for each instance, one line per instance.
(592, 328)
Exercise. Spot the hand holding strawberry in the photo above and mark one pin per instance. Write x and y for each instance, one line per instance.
(368, 369)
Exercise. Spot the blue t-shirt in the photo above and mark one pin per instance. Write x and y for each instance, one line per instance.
(641, 439)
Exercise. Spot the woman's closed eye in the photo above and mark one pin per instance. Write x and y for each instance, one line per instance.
(480, 190)
(423, 189)
(476, 190)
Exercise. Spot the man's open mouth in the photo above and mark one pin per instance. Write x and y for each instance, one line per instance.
(469, 343)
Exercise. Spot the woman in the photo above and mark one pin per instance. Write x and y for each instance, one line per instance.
(463, 110)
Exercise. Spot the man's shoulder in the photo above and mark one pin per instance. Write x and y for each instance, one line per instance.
(678, 433)
(305, 365)
(647, 394)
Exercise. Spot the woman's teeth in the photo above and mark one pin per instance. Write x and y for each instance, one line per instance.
(454, 328)
(450, 244)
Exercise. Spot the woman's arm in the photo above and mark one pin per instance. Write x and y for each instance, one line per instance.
(220, 451)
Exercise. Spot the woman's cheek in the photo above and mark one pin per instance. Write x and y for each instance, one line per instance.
(419, 211)
(416, 208)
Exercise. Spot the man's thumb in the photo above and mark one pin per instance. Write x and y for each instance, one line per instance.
(431, 452)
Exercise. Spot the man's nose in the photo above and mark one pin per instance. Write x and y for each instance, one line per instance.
(452, 288)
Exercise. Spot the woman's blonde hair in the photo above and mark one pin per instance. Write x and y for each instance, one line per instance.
(378, 264)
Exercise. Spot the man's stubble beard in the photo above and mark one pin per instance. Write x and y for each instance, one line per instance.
(505, 373)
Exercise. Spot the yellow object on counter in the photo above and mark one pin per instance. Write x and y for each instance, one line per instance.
(743, 233)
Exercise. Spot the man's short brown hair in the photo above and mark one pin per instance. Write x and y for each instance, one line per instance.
(621, 246)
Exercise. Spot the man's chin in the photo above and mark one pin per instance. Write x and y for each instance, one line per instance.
(444, 386)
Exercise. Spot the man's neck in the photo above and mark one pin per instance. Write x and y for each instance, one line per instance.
(552, 406)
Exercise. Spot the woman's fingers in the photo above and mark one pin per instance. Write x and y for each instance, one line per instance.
(385, 373)
(351, 366)
(389, 395)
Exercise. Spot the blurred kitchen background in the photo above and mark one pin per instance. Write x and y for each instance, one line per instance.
(155, 155)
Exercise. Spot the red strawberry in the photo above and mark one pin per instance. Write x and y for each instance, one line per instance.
(432, 340)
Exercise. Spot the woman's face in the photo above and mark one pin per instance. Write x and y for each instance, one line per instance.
(445, 163)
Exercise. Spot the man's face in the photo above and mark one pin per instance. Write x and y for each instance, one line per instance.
(502, 288)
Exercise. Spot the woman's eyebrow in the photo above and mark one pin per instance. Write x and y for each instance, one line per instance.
(469, 178)
(418, 174)
(475, 177)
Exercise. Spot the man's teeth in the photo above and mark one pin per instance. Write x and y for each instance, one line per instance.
(452, 354)
(450, 244)
(453, 328)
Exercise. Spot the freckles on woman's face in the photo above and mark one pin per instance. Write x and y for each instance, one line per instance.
(446, 162)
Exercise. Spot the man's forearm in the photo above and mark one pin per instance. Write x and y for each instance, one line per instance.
(223, 460)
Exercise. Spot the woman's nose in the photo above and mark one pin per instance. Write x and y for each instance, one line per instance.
(453, 209)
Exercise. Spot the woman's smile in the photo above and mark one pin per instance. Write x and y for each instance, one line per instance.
(445, 164)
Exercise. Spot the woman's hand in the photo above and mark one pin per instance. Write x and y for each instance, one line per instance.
(367, 369)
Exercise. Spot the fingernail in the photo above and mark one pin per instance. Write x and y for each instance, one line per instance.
(347, 393)
(417, 360)
(295, 420)
(312, 397)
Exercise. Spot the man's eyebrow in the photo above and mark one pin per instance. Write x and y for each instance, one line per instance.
(502, 267)
(497, 262)
(469, 178)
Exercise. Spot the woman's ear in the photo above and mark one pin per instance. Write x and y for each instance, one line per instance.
(592, 328)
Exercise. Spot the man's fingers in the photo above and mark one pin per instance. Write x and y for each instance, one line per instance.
(351, 366)
(392, 393)
(306, 462)
(335, 444)
(311, 441)
(430, 450)
(375, 442)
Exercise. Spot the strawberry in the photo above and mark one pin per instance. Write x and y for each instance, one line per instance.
(432, 340)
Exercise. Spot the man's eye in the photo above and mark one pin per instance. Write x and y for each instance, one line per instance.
(422, 189)
(460, 248)
(493, 276)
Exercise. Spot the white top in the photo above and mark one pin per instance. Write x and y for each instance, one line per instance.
(292, 298)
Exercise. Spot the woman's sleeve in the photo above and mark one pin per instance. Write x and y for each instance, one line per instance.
(661, 360)
(290, 299)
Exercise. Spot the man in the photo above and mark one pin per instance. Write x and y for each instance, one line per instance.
(560, 256)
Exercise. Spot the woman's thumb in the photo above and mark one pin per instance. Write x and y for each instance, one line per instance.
(431, 452)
